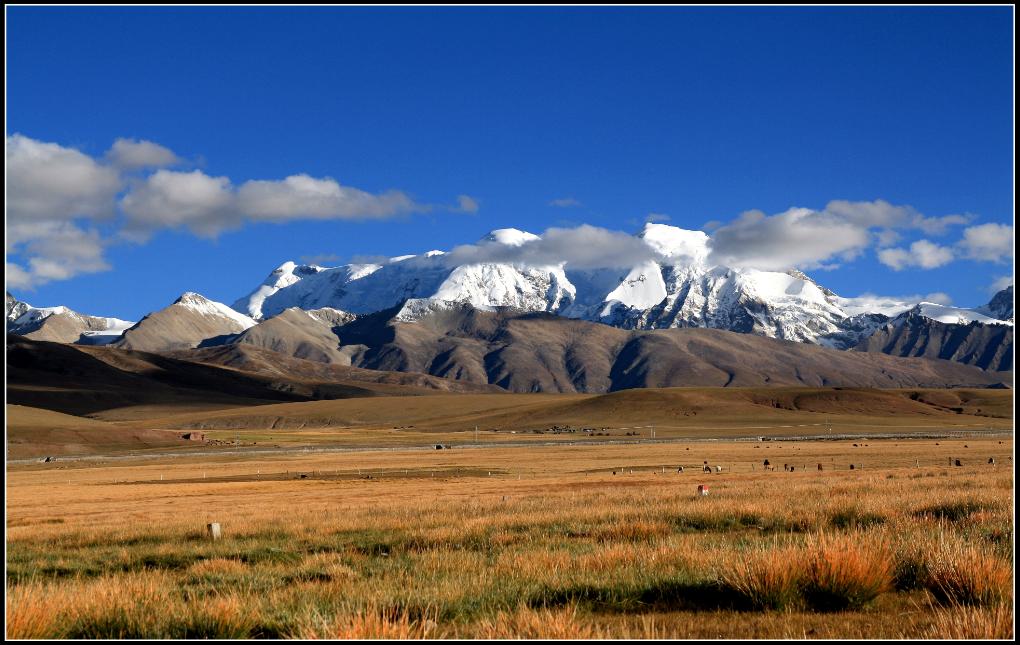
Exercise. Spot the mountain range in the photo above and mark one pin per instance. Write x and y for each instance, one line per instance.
(524, 324)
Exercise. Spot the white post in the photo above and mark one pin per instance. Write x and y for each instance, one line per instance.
(214, 530)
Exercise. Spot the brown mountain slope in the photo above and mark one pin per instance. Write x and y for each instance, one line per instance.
(191, 320)
(301, 334)
(545, 353)
(986, 346)
(83, 380)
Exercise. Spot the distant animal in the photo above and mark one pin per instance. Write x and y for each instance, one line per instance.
(957, 463)
(991, 460)
(819, 466)
(791, 469)
(680, 469)
(707, 468)
(718, 469)
(851, 466)
(766, 462)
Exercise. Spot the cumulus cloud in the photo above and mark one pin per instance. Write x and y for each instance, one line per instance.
(48, 188)
(882, 213)
(656, 217)
(583, 247)
(168, 199)
(1000, 283)
(922, 254)
(56, 251)
(56, 196)
(821, 239)
(49, 182)
(565, 202)
(988, 242)
(799, 237)
(134, 154)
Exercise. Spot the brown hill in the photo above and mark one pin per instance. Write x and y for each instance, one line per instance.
(83, 380)
(537, 352)
(675, 411)
(989, 347)
(191, 320)
(302, 334)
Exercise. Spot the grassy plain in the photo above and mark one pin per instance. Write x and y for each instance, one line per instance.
(514, 418)
(581, 541)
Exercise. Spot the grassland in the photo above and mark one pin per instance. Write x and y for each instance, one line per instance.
(579, 541)
(675, 413)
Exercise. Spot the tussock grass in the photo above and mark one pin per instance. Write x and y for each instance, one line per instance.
(845, 571)
(973, 623)
(964, 574)
(387, 624)
(563, 554)
(767, 578)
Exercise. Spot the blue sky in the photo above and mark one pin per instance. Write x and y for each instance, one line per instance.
(697, 115)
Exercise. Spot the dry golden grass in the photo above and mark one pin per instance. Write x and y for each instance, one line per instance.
(553, 544)
(845, 571)
(965, 574)
(973, 623)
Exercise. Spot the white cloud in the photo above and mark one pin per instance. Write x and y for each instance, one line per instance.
(799, 237)
(583, 247)
(169, 199)
(304, 197)
(988, 242)
(208, 205)
(1000, 283)
(887, 237)
(57, 251)
(49, 182)
(939, 298)
(132, 154)
(49, 187)
(656, 217)
(882, 213)
(869, 302)
(922, 253)
(565, 202)
(810, 239)
(56, 194)
(467, 204)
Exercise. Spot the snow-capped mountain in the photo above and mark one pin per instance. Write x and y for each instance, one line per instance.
(930, 330)
(61, 324)
(188, 322)
(677, 286)
(1000, 306)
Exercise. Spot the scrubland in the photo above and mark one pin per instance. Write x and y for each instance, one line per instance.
(539, 542)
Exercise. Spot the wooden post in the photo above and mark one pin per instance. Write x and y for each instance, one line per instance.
(214, 530)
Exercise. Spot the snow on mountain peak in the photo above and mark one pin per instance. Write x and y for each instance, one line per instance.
(675, 242)
(199, 303)
(953, 315)
(509, 237)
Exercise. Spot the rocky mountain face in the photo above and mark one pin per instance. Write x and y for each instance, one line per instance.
(60, 324)
(189, 322)
(310, 335)
(930, 331)
(1000, 306)
(539, 352)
